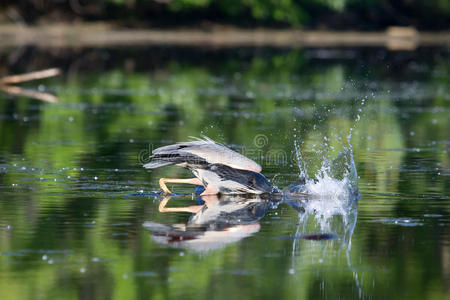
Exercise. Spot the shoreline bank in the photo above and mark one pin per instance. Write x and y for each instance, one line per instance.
(103, 35)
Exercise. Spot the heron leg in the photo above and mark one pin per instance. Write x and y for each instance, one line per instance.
(209, 191)
(163, 181)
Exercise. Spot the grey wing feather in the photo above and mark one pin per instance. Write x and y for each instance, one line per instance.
(157, 164)
(174, 154)
(215, 153)
(202, 151)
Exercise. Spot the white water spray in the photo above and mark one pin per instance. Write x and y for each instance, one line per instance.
(336, 177)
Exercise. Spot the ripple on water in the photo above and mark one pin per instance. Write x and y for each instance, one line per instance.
(407, 222)
(140, 274)
(432, 215)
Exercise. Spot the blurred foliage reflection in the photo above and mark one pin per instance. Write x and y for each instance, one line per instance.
(71, 223)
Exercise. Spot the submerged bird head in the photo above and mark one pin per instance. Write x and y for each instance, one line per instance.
(259, 182)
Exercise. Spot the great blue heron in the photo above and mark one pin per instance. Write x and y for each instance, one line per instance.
(217, 168)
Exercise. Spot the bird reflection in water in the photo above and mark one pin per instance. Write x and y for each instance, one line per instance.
(216, 223)
(225, 219)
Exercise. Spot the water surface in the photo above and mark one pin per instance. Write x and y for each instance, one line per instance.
(80, 218)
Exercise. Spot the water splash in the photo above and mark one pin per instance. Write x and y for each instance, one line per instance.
(336, 178)
(325, 174)
(326, 195)
(300, 161)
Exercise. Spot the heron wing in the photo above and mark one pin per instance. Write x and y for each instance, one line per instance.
(172, 157)
(202, 151)
(215, 153)
(157, 163)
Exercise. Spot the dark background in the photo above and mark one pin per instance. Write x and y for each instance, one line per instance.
(310, 14)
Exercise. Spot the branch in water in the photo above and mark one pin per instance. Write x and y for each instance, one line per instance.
(29, 76)
(5, 84)
(17, 91)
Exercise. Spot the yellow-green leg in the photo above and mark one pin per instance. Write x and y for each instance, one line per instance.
(163, 181)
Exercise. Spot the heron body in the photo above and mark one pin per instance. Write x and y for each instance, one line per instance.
(216, 167)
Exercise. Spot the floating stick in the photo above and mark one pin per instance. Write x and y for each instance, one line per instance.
(29, 76)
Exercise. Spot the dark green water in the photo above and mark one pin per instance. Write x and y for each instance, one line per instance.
(79, 220)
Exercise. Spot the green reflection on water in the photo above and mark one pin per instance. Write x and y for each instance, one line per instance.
(71, 229)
